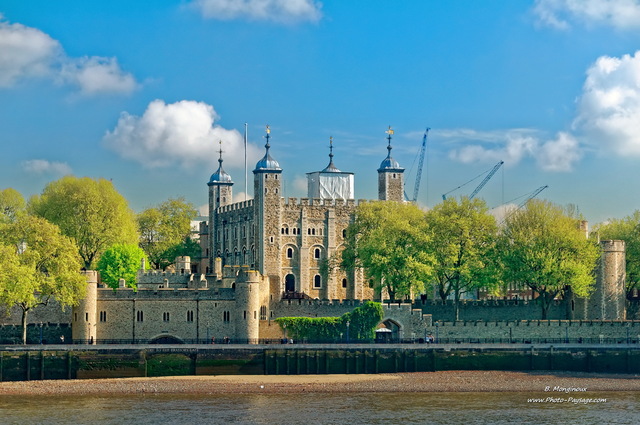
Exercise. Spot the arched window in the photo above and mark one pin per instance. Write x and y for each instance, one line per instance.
(289, 252)
(317, 281)
(316, 253)
(344, 233)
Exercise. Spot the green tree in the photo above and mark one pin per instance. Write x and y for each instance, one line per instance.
(388, 240)
(543, 249)
(12, 205)
(121, 261)
(462, 236)
(628, 230)
(38, 263)
(165, 232)
(91, 212)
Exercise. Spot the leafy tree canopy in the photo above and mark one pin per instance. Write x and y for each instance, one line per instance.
(11, 205)
(462, 236)
(36, 263)
(121, 261)
(165, 231)
(628, 230)
(91, 212)
(388, 239)
(544, 249)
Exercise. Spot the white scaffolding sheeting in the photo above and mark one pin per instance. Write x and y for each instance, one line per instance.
(330, 185)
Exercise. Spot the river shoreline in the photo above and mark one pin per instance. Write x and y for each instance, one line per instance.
(554, 383)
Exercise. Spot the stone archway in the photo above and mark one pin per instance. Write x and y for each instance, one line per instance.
(388, 331)
(290, 283)
(166, 339)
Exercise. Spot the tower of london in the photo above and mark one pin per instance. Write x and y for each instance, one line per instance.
(287, 240)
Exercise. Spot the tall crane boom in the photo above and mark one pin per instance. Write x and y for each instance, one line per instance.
(482, 183)
(533, 195)
(486, 179)
(423, 149)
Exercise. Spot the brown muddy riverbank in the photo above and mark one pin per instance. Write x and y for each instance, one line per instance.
(445, 381)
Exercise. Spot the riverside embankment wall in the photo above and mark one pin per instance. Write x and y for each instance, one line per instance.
(111, 362)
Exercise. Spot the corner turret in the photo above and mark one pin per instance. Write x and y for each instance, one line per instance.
(390, 176)
(220, 194)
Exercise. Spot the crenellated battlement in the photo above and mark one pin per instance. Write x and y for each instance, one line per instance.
(238, 206)
(160, 294)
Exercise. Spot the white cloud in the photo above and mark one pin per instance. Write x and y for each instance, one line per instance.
(178, 133)
(620, 14)
(27, 53)
(42, 166)
(609, 107)
(261, 10)
(558, 155)
(95, 75)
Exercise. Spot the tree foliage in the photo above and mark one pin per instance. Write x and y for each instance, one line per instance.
(388, 239)
(121, 261)
(12, 205)
(543, 248)
(91, 212)
(462, 236)
(37, 263)
(628, 230)
(165, 231)
(362, 323)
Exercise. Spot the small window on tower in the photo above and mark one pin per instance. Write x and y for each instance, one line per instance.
(394, 175)
(344, 283)
(289, 252)
(316, 253)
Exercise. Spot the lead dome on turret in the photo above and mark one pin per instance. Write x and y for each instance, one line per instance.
(220, 176)
(267, 163)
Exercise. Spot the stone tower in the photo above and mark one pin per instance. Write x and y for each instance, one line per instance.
(247, 295)
(267, 191)
(390, 177)
(220, 194)
(608, 300)
(84, 315)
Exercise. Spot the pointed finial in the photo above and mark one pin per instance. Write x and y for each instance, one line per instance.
(331, 147)
(389, 132)
(268, 131)
(220, 151)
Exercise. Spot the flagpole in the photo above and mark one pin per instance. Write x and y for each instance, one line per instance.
(245, 161)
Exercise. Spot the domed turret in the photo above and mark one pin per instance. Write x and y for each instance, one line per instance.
(390, 176)
(267, 163)
(389, 164)
(220, 176)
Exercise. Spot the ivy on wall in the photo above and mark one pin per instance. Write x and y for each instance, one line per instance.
(362, 325)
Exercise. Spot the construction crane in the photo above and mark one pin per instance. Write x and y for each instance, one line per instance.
(482, 183)
(523, 203)
(416, 187)
(533, 195)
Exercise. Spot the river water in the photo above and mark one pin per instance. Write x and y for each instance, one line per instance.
(322, 408)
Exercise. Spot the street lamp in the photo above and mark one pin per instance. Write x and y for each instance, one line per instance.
(348, 323)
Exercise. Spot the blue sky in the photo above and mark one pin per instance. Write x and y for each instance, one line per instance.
(141, 93)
